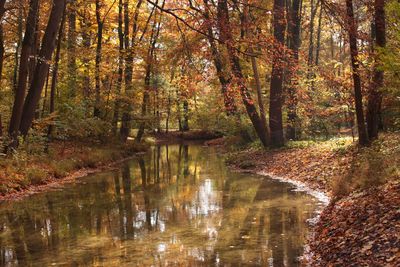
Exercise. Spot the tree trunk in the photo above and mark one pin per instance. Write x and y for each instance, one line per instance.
(276, 98)
(150, 57)
(318, 48)
(86, 42)
(352, 30)
(375, 94)
(126, 116)
(26, 50)
(1, 51)
(294, 46)
(145, 103)
(185, 123)
(42, 67)
(223, 75)
(55, 74)
(18, 46)
(2, 11)
(100, 25)
(226, 38)
(120, 67)
(71, 47)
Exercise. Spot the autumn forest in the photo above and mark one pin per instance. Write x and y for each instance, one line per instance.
(280, 118)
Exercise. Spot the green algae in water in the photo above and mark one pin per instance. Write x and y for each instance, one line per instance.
(175, 206)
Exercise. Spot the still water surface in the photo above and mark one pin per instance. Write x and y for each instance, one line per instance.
(175, 206)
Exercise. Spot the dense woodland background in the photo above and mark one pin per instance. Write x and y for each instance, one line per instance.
(271, 71)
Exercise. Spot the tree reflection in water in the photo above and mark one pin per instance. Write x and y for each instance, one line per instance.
(176, 205)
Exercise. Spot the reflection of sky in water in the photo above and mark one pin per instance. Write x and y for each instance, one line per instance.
(206, 201)
(197, 214)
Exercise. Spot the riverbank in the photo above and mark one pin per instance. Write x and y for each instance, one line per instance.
(360, 226)
(23, 173)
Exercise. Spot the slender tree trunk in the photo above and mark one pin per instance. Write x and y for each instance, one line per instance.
(2, 11)
(26, 51)
(276, 98)
(55, 74)
(145, 103)
(120, 67)
(46, 87)
(185, 123)
(263, 114)
(34, 51)
(126, 116)
(223, 75)
(19, 44)
(42, 67)
(313, 11)
(100, 26)
(1, 52)
(71, 47)
(226, 38)
(352, 30)
(294, 46)
(149, 67)
(86, 42)
(375, 94)
(318, 48)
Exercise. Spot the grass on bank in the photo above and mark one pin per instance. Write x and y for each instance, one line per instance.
(338, 163)
(24, 168)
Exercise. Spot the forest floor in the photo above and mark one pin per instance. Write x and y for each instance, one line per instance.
(361, 225)
(27, 172)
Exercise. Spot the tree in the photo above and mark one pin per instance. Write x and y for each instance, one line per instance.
(294, 46)
(352, 32)
(129, 47)
(226, 38)
(26, 51)
(55, 73)
(375, 91)
(276, 98)
(42, 66)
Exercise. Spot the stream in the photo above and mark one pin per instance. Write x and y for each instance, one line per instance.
(177, 205)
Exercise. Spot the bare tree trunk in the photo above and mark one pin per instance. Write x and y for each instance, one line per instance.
(42, 67)
(26, 51)
(276, 98)
(375, 94)
(352, 30)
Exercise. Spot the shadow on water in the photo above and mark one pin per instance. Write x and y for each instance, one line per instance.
(177, 205)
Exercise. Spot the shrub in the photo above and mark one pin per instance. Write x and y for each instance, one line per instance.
(35, 176)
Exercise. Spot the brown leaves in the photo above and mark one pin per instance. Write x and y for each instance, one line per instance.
(363, 230)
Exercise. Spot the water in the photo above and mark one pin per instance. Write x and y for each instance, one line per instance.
(175, 206)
